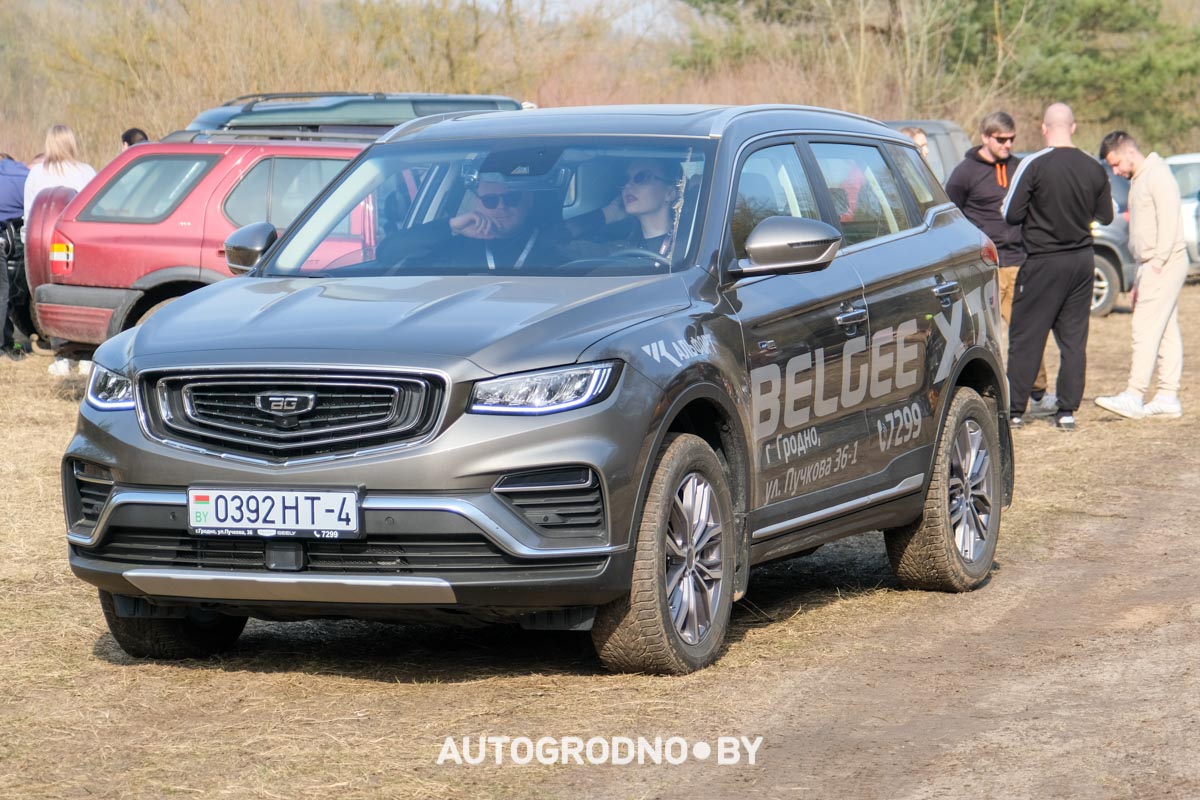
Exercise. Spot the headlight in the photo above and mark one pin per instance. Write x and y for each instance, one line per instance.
(545, 392)
(109, 391)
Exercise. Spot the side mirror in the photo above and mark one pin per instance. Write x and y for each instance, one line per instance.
(246, 245)
(789, 244)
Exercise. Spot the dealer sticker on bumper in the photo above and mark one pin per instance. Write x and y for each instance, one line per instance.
(257, 512)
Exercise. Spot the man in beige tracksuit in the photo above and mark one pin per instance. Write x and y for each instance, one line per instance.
(1156, 241)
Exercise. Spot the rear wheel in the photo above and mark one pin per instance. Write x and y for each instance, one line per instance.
(154, 309)
(951, 546)
(200, 634)
(676, 615)
(1106, 287)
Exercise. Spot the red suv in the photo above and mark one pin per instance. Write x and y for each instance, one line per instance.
(151, 226)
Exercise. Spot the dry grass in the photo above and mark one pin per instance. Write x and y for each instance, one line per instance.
(352, 709)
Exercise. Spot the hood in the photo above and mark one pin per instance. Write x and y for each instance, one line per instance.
(500, 325)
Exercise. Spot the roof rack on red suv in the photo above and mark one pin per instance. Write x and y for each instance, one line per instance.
(365, 112)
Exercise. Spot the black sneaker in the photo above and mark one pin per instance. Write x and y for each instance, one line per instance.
(1015, 422)
(14, 353)
(1065, 422)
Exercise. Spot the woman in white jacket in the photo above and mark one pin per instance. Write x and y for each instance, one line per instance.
(60, 166)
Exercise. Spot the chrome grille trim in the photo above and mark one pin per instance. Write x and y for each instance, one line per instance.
(401, 413)
(416, 408)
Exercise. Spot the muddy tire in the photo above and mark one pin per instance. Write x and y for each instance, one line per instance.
(677, 613)
(154, 309)
(200, 634)
(950, 547)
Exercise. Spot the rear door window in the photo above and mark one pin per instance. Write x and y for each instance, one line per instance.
(866, 194)
(915, 172)
(276, 190)
(148, 189)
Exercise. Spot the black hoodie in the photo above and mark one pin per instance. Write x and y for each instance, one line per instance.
(978, 187)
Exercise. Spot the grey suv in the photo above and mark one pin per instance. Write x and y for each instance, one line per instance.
(574, 368)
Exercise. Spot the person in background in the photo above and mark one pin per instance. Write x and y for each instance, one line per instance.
(978, 186)
(920, 139)
(1054, 196)
(1156, 241)
(60, 167)
(133, 136)
(12, 195)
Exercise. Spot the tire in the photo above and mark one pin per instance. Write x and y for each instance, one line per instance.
(1107, 286)
(950, 547)
(674, 629)
(154, 309)
(202, 633)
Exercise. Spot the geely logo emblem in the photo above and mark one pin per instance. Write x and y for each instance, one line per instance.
(285, 404)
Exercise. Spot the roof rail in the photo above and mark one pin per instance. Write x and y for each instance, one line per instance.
(250, 100)
(722, 120)
(272, 134)
(420, 123)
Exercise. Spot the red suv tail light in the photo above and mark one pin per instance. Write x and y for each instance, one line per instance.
(62, 254)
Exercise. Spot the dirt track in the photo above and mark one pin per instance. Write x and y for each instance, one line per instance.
(1071, 674)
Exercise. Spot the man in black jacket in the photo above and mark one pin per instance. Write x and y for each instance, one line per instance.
(978, 186)
(1054, 196)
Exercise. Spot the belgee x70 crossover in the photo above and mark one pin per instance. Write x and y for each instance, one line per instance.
(574, 368)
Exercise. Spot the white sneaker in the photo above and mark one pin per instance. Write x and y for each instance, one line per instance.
(1127, 404)
(1161, 406)
(60, 367)
(84, 366)
(1045, 407)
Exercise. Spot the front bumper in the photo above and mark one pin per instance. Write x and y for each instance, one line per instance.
(438, 530)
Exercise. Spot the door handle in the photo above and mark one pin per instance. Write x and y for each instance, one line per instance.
(947, 289)
(855, 316)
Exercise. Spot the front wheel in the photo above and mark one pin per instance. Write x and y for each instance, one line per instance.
(677, 612)
(199, 634)
(950, 547)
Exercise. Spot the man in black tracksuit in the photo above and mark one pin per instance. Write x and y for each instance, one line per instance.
(978, 186)
(1054, 196)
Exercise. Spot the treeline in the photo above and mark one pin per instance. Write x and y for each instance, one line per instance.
(105, 65)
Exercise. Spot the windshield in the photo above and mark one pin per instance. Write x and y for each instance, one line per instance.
(565, 206)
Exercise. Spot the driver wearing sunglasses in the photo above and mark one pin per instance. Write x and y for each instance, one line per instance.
(500, 211)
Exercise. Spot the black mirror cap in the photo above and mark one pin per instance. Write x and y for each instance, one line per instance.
(246, 245)
(789, 244)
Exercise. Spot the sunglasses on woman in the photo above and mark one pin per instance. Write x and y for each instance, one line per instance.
(644, 176)
(510, 199)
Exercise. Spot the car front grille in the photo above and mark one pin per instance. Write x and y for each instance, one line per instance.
(290, 414)
(377, 554)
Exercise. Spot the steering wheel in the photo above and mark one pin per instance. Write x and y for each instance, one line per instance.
(657, 258)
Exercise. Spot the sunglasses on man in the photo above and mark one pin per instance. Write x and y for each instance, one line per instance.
(1005, 139)
(511, 199)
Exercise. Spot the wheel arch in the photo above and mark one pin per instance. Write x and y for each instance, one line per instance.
(703, 409)
(980, 370)
(159, 285)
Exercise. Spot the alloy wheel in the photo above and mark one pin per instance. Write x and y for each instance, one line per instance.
(693, 558)
(972, 488)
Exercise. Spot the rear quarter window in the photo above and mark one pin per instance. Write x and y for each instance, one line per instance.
(148, 189)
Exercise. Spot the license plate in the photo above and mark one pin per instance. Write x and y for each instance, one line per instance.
(270, 513)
